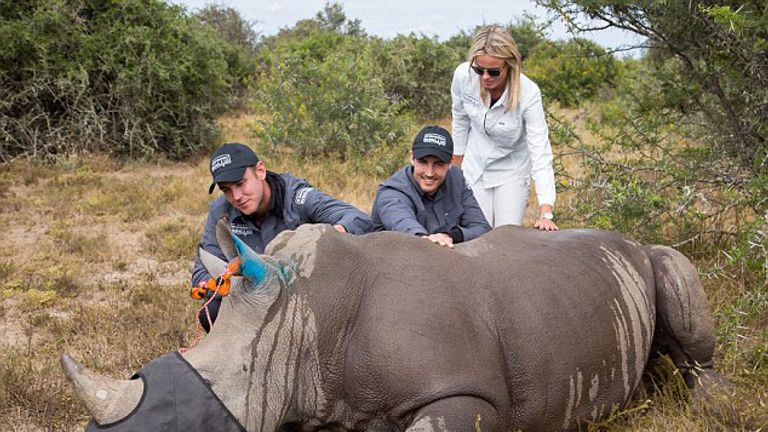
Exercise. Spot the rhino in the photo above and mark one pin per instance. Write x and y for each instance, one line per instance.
(515, 330)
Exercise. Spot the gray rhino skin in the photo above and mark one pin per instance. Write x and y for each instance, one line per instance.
(516, 330)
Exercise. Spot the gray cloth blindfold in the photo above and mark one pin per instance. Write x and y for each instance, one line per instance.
(176, 398)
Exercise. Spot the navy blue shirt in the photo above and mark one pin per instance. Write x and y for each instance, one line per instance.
(401, 205)
(293, 202)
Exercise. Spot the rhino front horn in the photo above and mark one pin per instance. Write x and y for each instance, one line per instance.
(107, 400)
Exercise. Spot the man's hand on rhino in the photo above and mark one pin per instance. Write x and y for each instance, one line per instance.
(442, 239)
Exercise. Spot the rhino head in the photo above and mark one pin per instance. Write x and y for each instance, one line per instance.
(242, 376)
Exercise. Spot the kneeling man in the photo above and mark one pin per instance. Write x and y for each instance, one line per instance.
(259, 204)
(429, 197)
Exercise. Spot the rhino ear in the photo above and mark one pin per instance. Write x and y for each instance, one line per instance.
(225, 239)
(252, 267)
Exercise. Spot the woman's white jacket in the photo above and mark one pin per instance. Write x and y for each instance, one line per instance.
(501, 145)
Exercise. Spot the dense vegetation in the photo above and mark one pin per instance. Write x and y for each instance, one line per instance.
(669, 147)
(134, 78)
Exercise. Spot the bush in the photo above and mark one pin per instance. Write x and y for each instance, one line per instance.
(322, 95)
(713, 55)
(240, 53)
(230, 24)
(135, 78)
(571, 72)
(417, 70)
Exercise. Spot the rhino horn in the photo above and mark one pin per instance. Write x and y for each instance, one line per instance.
(106, 399)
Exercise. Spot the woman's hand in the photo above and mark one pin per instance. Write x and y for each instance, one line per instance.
(545, 222)
(545, 225)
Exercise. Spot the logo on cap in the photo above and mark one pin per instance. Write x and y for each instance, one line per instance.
(220, 161)
(434, 138)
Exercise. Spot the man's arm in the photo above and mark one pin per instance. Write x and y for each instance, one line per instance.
(318, 207)
(396, 212)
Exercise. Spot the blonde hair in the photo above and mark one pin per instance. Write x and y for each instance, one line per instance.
(496, 41)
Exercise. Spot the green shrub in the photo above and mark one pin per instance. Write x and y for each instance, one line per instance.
(570, 72)
(417, 70)
(322, 95)
(228, 22)
(240, 54)
(136, 78)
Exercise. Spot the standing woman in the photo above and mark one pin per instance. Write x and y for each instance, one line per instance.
(500, 133)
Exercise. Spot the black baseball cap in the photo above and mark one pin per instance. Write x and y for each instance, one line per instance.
(433, 141)
(229, 162)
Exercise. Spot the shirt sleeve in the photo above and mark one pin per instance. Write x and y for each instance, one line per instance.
(472, 223)
(460, 118)
(395, 212)
(537, 138)
(210, 244)
(317, 207)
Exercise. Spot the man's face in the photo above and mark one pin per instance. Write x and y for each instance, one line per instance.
(247, 194)
(429, 172)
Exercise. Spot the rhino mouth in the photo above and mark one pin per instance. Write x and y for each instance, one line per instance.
(174, 397)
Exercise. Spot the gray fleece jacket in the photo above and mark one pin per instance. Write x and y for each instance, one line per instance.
(400, 205)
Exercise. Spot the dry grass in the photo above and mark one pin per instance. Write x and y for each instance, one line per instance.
(97, 257)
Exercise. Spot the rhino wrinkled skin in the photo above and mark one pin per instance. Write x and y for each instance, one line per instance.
(516, 330)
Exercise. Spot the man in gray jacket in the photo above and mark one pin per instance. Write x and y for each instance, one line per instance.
(260, 204)
(429, 197)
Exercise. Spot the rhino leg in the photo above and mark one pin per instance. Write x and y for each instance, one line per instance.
(459, 413)
(684, 325)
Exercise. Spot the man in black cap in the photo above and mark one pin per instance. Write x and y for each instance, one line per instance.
(260, 204)
(429, 197)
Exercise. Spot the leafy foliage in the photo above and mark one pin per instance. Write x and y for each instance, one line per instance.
(323, 96)
(717, 53)
(321, 93)
(417, 71)
(571, 72)
(240, 52)
(688, 129)
(136, 78)
(230, 24)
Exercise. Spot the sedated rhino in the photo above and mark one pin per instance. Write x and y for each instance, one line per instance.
(516, 330)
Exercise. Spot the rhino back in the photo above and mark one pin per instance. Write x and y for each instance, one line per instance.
(549, 328)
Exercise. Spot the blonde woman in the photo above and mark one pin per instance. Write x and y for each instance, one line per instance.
(500, 132)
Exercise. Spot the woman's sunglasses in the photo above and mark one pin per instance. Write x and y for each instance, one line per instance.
(491, 72)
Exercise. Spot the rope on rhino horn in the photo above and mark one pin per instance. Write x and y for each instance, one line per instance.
(215, 286)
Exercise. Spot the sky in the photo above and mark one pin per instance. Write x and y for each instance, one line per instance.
(387, 18)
